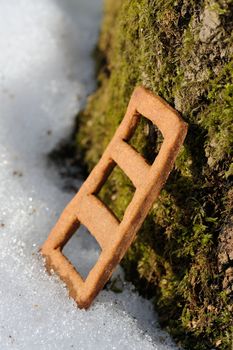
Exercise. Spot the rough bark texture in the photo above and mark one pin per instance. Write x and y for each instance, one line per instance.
(181, 50)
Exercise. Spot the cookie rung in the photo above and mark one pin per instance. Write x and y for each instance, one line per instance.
(131, 162)
(98, 220)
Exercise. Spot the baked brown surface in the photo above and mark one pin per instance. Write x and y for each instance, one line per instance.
(113, 236)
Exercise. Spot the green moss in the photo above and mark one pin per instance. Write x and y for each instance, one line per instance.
(174, 259)
(217, 119)
(117, 200)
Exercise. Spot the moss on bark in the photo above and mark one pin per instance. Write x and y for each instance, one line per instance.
(181, 50)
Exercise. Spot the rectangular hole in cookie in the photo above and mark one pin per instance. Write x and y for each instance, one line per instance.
(112, 194)
(82, 250)
(146, 139)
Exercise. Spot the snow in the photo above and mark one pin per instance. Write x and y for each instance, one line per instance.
(46, 73)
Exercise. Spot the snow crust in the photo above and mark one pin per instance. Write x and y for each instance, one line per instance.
(46, 73)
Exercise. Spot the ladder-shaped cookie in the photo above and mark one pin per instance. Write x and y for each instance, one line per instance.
(113, 236)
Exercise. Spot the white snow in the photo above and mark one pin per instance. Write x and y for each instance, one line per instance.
(46, 72)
